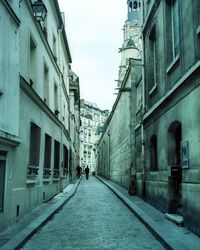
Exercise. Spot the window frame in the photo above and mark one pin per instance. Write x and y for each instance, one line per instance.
(34, 145)
(153, 55)
(47, 151)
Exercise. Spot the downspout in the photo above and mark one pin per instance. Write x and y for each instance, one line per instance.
(108, 133)
(61, 109)
(143, 112)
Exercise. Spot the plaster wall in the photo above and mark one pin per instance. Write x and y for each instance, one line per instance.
(9, 72)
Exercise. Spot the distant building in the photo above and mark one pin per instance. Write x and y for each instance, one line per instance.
(74, 124)
(92, 125)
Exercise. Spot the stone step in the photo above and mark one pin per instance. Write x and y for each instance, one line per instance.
(176, 218)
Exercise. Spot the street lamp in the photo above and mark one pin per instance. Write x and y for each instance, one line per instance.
(39, 10)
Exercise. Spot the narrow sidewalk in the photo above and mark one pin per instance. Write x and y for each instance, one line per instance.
(17, 235)
(169, 234)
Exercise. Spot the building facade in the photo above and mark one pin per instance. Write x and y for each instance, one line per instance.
(36, 147)
(171, 125)
(116, 149)
(75, 122)
(92, 125)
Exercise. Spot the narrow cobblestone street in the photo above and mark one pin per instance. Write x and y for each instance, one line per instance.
(93, 219)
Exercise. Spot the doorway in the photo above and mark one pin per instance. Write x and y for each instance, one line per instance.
(174, 161)
(2, 178)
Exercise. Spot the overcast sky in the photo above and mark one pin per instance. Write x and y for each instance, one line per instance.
(94, 31)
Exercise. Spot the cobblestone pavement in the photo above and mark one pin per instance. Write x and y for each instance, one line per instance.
(93, 219)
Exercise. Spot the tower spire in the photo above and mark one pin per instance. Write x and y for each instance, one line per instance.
(131, 47)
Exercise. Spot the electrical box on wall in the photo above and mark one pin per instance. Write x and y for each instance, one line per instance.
(174, 171)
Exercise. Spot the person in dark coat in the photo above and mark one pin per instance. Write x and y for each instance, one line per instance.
(87, 171)
(78, 171)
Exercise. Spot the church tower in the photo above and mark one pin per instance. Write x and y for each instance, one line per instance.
(132, 43)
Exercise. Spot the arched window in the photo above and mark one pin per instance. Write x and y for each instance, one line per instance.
(153, 153)
(135, 5)
(130, 6)
(175, 137)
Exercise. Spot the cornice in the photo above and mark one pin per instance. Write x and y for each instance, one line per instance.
(171, 92)
(11, 12)
(150, 15)
(9, 139)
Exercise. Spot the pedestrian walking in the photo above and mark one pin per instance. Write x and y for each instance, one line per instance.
(78, 171)
(87, 171)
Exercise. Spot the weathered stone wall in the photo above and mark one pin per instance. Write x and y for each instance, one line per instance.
(174, 99)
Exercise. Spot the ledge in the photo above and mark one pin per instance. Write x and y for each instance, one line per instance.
(30, 182)
(172, 64)
(153, 89)
(195, 67)
(11, 12)
(46, 181)
(56, 179)
(137, 126)
(9, 139)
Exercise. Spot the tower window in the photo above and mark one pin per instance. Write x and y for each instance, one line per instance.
(130, 6)
(135, 5)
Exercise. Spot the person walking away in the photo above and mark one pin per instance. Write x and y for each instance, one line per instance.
(78, 171)
(87, 171)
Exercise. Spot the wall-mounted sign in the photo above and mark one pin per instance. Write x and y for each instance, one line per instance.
(184, 154)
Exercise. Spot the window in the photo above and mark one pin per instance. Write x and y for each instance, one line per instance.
(46, 84)
(65, 160)
(175, 27)
(47, 152)
(139, 97)
(130, 6)
(135, 5)
(54, 48)
(34, 154)
(45, 27)
(152, 59)
(2, 178)
(153, 153)
(173, 31)
(32, 61)
(56, 154)
(56, 99)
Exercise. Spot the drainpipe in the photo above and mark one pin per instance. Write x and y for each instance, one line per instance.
(108, 133)
(143, 112)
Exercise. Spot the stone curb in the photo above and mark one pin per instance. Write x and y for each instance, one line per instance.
(158, 232)
(18, 241)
